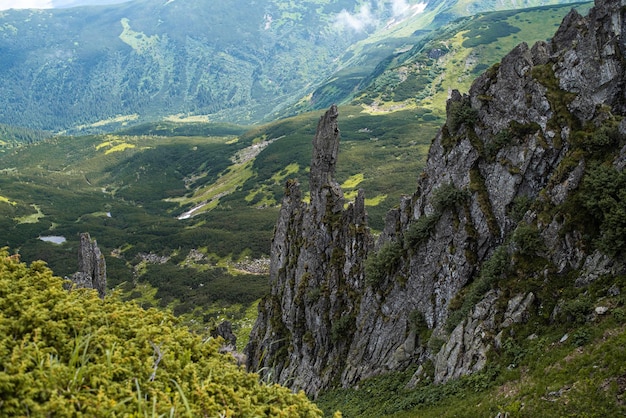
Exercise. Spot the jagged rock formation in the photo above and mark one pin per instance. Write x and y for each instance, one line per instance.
(91, 272)
(500, 199)
(303, 332)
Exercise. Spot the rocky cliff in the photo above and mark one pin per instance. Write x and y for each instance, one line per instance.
(523, 189)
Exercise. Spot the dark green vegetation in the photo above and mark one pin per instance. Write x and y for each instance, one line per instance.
(64, 186)
(11, 136)
(68, 353)
(66, 69)
(127, 191)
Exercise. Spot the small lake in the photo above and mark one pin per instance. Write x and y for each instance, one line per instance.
(55, 239)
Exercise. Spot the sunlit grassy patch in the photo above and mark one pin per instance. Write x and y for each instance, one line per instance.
(353, 181)
(375, 201)
(7, 200)
(262, 197)
(32, 218)
(208, 197)
(119, 148)
(104, 144)
(287, 171)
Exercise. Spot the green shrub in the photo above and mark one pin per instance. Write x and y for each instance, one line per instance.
(449, 196)
(521, 130)
(461, 113)
(577, 310)
(604, 195)
(508, 136)
(492, 271)
(499, 141)
(581, 337)
(445, 197)
(69, 353)
(417, 322)
(382, 263)
(342, 327)
(419, 231)
(619, 314)
(519, 207)
(527, 240)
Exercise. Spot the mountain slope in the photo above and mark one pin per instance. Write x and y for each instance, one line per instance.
(98, 68)
(64, 68)
(423, 67)
(516, 220)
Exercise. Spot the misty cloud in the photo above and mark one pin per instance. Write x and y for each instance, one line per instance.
(356, 21)
(399, 7)
(371, 14)
(26, 4)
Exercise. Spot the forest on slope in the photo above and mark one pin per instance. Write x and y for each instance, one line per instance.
(94, 69)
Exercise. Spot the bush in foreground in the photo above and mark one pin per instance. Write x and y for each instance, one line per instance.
(68, 353)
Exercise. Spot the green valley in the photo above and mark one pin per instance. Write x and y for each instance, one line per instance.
(204, 197)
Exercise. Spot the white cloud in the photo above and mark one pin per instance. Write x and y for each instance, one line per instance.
(420, 7)
(359, 21)
(25, 4)
(52, 4)
(370, 14)
(399, 7)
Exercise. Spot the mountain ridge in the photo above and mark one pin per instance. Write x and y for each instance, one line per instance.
(494, 230)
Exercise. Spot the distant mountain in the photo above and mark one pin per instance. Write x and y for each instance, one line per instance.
(52, 4)
(434, 52)
(102, 67)
(64, 68)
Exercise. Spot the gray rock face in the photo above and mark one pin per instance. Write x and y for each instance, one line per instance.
(225, 330)
(306, 325)
(504, 142)
(466, 349)
(91, 272)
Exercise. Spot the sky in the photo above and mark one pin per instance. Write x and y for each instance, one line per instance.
(51, 4)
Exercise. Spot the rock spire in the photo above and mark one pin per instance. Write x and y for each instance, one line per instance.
(91, 272)
(306, 324)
